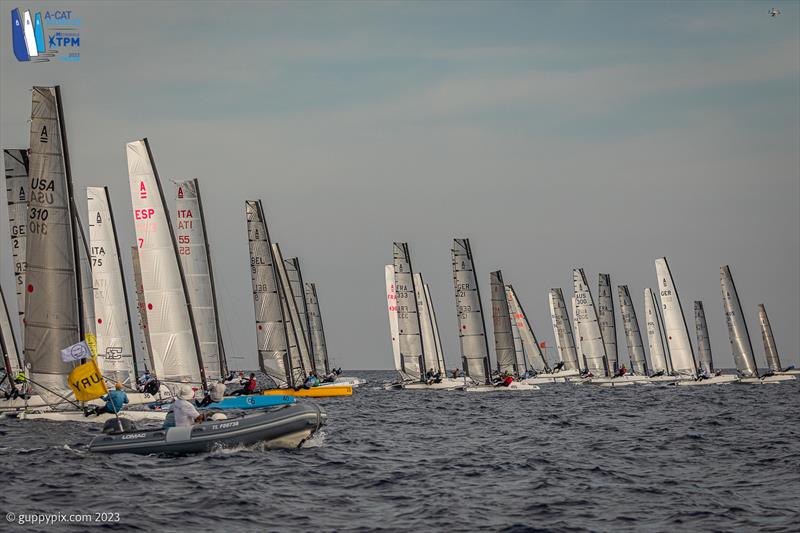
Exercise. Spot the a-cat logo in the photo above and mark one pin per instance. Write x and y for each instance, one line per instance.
(31, 43)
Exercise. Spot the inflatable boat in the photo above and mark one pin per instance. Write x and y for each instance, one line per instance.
(287, 426)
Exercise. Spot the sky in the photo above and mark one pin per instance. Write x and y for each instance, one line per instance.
(554, 135)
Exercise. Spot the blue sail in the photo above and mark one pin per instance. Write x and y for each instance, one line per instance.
(18, 37)
(39, 32)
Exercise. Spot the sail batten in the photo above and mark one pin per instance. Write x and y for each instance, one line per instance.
(471, 326)
(633, 335)
(770, 348)
(589, 333)
(681, 353)
(412, 355)
(562, 330)
(741, 346)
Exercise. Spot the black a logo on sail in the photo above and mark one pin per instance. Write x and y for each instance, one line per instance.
(43, 135)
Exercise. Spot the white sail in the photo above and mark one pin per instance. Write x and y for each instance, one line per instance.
(194, 253)
(770, 349)
(562, 330)
(173, 339)
(53, 308)
(319, 346)
(607, 320)
(391, 306)
(17, 192)
(704, 358)
(436, 336)
(411, 348)
(741, 346)
(292, 266)
(633, 336)
(426, 325)
(114, 335)
(659, 360)
(504, 350)
(519, 350)
(141, 309)
(271, 331)
(471, 325)
(677, 333)
(530, 343)
(576, 335)
(8, 344)
(589, 334)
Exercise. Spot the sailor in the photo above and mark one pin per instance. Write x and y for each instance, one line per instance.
(311, 381)
(506, 380)
(558, 366)
(330, 377)
(182, 409)
(702, 374)
(248, 388)
(148, 383)
(429, 376)
(115, 401)
(455, 373)
(216, 393)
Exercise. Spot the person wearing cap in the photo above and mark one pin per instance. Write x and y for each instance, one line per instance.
(216, 393)
(185, 413)
(115, 401)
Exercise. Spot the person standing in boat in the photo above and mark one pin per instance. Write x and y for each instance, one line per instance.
(115, 402)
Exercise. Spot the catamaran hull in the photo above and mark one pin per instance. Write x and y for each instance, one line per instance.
(346, 380)
(544, 380)
(283, 427)
(39, 403)
(725, 379)
(517, 386)
(792, 372)
(768, 380)
(77, 416)
(446, 384)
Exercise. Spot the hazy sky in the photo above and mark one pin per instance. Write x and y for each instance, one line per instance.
(553, 135)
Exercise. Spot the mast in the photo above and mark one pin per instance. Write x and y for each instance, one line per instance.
(607, 321)
(17, 193)
(705, 360)
(316, 326)
(530, 344)
(633, 336)
(410, 328)
(562, 330)
(770, 349)
(504, 351)
(680, 347)
(471, 325)
(741, 346)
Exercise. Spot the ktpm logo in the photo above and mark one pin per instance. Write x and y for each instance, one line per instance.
(31, 42)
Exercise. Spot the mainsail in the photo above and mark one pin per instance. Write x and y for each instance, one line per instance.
(319, 347)
(8, 344)
(141, 309)
(436, 336)
(17, 192)
(680, 347)
(426, 325)
(195, 256)
(173, 337)
(53, 307)
(292, 266)
(391, 306)
(633, 336)
(704, 359)
(562, 330)
(530, 344)
(115, 354)
(298, 345)
(589, 334)
(659, 358)
(576, 335)
(519, 350)
(471, 327)
(607, 321)
(411, 348)
(737, 326)
(271, 337)
(503, 336)
(770, 349)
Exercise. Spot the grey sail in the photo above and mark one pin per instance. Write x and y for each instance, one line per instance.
(681, 353)
(633, 336)
(17, 192)
(503, 336)
(319, 346)
(704, 359)
(589, 333)
(436, 336)
(530, 344)
(140, 307)
(562, 329)
(53, 309)
(519, 350)
(607, 320)
(426, 325)
(298, 345)
(8, 344)
(195, 256)
(292, 266)
(659, 358)
(471, 327)
(410, 334)
(87, 284)
(271, 336)
(576, 335)
(741, 346)
(770, 349)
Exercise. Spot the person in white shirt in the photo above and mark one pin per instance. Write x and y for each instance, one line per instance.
(216, 393)
(185, 413)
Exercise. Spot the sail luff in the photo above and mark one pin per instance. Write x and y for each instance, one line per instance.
(408, 321)
(704, 358)
(504, 352)
(426, 324)
(394, 329)
(530, 344)
(320, 345)
(436, 335)
(681, 352)
(562, 330)
(589, 333)
(471, 326)
(770, 348)
(741, 346)
(633, 335)
(115, 355)
(17, 194)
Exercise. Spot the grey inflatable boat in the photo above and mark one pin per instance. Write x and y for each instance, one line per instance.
(287, 426)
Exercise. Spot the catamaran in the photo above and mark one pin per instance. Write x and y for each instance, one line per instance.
(741, 345)
(563, 333)
(633, 336)
(707, 375)
(471, 324)
(770, 349)
(660, 364)
(681, 353)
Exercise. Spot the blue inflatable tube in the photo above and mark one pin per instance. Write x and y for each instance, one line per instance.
(252, 402)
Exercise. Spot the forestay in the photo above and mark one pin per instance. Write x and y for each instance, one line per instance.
(680, 347)
(589, 335)
(408, 323)
(704, 358)
(471, 327)
(17, 192)
(633, 336)
(659, 359)
(607, 321)
(195, 256)
(770, 349)
(115, 355)
(562, 330)
(741, 346)
(319, 347)
(530, 344)
(173, 339)
(503, 337)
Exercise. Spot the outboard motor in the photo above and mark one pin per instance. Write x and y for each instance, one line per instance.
(115, 426)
